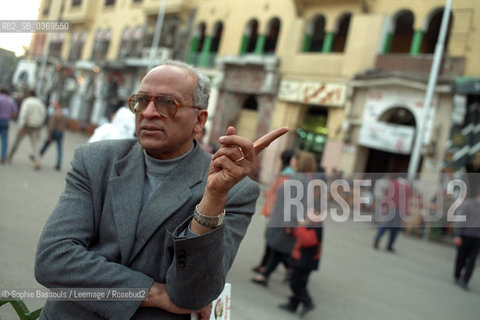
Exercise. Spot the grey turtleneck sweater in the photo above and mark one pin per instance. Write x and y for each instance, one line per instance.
(156, 172)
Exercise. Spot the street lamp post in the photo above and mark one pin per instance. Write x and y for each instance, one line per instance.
(432, 81)
(156, 35)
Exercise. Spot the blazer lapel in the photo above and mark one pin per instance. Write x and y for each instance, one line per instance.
(171, 196)
(127, 196)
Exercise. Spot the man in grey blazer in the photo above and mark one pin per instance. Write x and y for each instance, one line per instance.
(157, 214)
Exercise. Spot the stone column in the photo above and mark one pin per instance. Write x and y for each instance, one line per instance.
(204, 57)
(328, 42)
(416, 42)
(260, 45)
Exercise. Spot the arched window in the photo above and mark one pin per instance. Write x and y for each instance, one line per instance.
(76, 45)
(217, 36)
(72, 56)
(171, 36)
(200, 35)
(341, 34)
(170, 30)
(46, 7)
(273, 32)
(106, 38)
(125, 43)
(96, 45)
(251, 34)
(403, 33)
(399, 115)
(315, 34)
(431, 33)
(137, 42)
(55, 45)
(197, 43)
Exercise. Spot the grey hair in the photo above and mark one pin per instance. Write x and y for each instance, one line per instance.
(202, 91)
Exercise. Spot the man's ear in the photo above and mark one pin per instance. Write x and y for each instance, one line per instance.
(202, 116)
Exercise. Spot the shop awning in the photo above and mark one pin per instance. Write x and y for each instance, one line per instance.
(464, 149)
(466, 85)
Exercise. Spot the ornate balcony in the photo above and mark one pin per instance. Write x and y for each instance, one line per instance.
(419, 66)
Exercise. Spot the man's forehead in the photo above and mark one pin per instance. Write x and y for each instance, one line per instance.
(168, 68)
(172, 80)
(169, 73)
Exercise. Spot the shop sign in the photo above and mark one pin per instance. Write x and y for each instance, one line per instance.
(379, 102)
(387, 137)
(311, 92)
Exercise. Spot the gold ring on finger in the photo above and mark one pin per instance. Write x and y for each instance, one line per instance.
(241, 152)
(238, 160)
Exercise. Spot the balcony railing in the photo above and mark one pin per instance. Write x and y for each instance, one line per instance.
(420, 65)
(161, 54)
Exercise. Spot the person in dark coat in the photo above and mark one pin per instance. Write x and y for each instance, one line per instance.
(467, 239)
(305, 258)
(279, 236)
(270, 196)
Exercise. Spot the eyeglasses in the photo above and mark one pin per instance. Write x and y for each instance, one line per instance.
(165, 105)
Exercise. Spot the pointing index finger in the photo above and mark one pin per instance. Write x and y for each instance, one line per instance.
(265, 141)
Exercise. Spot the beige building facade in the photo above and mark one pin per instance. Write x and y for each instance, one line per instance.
(333, 71)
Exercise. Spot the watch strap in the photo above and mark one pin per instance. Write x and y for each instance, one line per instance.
(209, 221)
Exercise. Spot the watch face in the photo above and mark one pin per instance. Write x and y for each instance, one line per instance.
(221, 219)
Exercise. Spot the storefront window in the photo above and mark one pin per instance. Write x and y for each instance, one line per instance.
(312, 134)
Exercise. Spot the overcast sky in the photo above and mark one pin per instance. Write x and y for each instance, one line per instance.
(17, 10)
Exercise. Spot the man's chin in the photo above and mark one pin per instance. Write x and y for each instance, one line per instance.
(150, 142)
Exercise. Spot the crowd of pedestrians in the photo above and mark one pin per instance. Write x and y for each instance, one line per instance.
(32, 116)
(396, 206)
(296, 243)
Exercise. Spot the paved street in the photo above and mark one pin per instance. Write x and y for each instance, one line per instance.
(354, 281)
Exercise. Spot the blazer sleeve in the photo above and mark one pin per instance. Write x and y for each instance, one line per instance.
(63, 259)
(200, 265)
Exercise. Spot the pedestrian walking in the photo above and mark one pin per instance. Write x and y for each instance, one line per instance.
(467, 240)
(305, 258)
(270, 195)
(156, 214)
(379, 191)
(57, 124)
(279, 237)
(395, 206)
(8, 111)
(30, 120)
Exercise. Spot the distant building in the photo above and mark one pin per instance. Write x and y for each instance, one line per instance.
(335, 72)
(8, 61)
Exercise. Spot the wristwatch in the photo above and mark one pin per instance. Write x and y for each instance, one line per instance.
(209, 221)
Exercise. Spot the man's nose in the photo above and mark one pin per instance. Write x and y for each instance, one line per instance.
(151, 111)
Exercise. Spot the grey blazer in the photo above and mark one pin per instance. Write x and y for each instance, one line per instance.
(98, 236)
